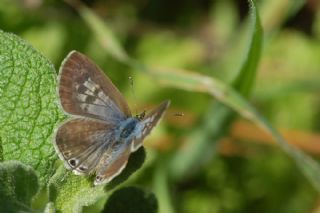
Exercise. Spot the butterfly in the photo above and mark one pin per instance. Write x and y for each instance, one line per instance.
(102, 133)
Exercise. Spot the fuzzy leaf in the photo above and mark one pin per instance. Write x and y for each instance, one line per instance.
(70, 192)
(18, 184)
(28, 112)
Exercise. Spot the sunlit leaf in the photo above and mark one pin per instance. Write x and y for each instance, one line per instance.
(28, 112)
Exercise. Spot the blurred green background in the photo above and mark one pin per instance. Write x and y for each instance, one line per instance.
(242, 170)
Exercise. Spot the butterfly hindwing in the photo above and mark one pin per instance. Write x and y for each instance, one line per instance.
(112, 165)
(81, 143)
(85, 90)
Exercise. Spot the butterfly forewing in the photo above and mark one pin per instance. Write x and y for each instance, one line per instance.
(82, 142)
(147, 124)
(85, 90)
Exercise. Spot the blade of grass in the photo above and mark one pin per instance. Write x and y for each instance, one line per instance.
(103, 32)
(162, 189)
(245, 80)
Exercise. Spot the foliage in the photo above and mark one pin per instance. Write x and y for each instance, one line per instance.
(19, 184)
(211, 62)
(28, 105)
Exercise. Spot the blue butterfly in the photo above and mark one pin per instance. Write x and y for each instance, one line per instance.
(102, 133)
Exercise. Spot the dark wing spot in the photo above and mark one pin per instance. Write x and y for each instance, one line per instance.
(83, 168)
(90, 99)
(99, 178)
(72, 162)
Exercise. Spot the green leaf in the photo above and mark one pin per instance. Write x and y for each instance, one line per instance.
(70, 192)
(28, 112)
(131, 200)
(245, 80)
(18, 184)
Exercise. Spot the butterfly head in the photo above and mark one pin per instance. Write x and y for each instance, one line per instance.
(141, 116)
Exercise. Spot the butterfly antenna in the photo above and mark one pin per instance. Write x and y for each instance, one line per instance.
(133, 94)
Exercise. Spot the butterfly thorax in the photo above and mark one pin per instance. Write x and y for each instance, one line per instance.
(127, 127)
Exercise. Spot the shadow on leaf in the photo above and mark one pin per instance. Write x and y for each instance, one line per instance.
(131, 200)
(134, 163)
